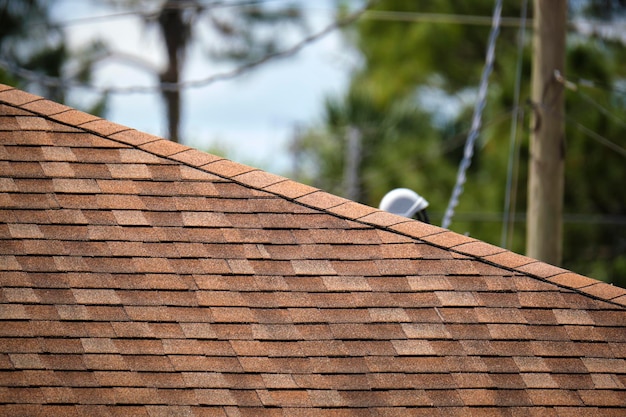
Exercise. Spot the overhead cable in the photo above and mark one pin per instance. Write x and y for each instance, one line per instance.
(579, 83)
(597, 137)
(568, 218)
(513, 144)
(181, 5)
(441, 18)
(574, 87)
(481, 101)
(602, 109)
(612, 31)
(588, 132)
(606, 30)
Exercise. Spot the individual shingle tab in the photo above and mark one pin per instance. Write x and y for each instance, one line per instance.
(164, 147)
(133, 137)
(32, 123)
(384, 219)
(225, 168)
(103, 127)
(608, 292)
(322, 199)
(73, 117)
(46, 107)
(79, 186)
(142, 277)
(204, 219)
(130, 217)
(12, 96)
(352, 210)
(259, 179)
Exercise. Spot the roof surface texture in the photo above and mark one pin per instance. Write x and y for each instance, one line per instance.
(141, 277)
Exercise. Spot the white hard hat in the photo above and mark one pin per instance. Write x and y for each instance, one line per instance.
(403, 202)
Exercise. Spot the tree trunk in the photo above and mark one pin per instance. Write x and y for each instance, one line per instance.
(175, 33)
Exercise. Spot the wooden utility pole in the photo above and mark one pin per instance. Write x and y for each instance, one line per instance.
(544, 240)
(351, 179)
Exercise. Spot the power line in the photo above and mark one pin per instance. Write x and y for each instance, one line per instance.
(476, 119)
(457, 140)
(100, 18)
(594, 84)
(513, 145)
(597, 137)
(187, 5)
(65, 83)
(587, 27)
(580, 83)
(610, 31)
(601, 108)
(442, 18)
(571, 218)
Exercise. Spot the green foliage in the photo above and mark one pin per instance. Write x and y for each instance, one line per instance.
(19, 21)
(12, 16)
(409, 142)
(425, 53)
(251, 34)
(32, 41)
(595, 244)
(397, 142)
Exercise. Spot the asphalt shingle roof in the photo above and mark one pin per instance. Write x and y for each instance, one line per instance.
(142, 277)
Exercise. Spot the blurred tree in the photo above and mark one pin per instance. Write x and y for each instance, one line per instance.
(430, 70)
(30, 40)
(394, 142)
(235, 31)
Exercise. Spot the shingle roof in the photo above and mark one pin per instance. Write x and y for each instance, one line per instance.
(142, 277)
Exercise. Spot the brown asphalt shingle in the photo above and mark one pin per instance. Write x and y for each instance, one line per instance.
(143, 277)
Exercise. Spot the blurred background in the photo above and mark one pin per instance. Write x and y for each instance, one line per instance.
(353, 97)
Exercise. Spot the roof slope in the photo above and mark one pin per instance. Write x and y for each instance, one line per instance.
(142, 277)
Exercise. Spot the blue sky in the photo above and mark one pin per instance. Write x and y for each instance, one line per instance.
(252, 117)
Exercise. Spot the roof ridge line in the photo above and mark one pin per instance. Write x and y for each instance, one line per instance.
(312, 197)
(534, 268)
